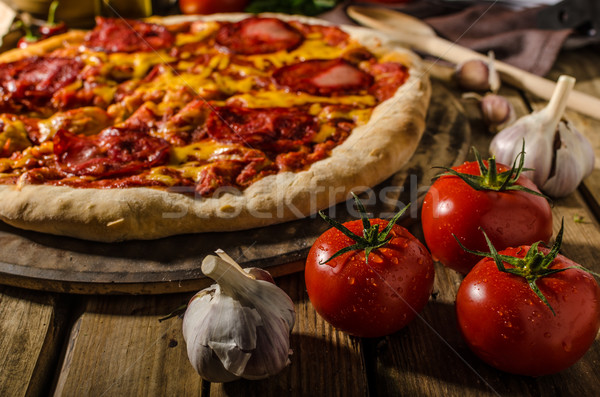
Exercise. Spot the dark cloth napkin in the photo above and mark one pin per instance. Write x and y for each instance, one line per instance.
(511, 34)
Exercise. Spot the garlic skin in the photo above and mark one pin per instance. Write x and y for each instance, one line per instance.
(238, 328)
(559, 154)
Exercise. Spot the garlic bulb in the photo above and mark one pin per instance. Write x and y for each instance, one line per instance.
(239, 327)
(559, 154)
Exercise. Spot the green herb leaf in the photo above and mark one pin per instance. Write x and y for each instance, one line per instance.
(305, 7)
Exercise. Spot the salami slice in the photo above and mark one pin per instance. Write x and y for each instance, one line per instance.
(125, 35)
(259, 36)
(112, 152)
(29, 83)
(273, 129)
(323, 77)
(389, 76)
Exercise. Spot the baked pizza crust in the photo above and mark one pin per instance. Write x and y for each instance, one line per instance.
(372, 153)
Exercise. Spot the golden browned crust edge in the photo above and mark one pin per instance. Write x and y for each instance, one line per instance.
(371, 154)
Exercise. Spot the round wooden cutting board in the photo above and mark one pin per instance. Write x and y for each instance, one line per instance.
(62, 264)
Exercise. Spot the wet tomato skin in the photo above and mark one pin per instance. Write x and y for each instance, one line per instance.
(369, 300)
(508, 326)
(509, 218)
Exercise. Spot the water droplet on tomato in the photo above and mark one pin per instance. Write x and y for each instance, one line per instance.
(566, 346)
(509, 324)
(351, 280)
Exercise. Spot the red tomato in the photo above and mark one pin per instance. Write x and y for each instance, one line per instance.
(387, 1)
(374, 299)
(510, 217)
(508, 326)
(211, 6)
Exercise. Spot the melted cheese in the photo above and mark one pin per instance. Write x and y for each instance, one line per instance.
(310, 49)
(13, 136)
(359, 116)
(325, 132)
(193, 172)
(139, 62)
(264, 99)
(157, 174)
(169, 81)
(199, 151)
(32, 153)
(200, 31)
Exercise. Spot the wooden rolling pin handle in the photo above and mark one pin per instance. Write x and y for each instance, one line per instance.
(578, 101)
(420, 36)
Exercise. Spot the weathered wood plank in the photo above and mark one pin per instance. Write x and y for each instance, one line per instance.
(31, 327)
(326, 362)
(118, 347)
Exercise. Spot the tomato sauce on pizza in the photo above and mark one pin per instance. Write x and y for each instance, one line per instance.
(204, 104)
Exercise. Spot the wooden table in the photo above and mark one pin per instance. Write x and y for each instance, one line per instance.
(94, 345)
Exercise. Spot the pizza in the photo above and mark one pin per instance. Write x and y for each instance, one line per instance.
(146, 129)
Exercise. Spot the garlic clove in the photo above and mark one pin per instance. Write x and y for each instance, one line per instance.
(196, 336)
(508, 143)
(498, 113)
(473, 75)
(574, 160)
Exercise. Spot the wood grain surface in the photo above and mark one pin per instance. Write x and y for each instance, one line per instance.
(31, 328)
(133, 352)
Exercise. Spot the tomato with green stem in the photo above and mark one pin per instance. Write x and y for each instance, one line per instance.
(211, 6)
(495, 197)
(528, 310)
(368, 277)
